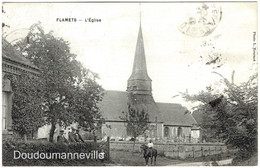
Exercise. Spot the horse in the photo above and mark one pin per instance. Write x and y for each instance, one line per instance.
(149, 153)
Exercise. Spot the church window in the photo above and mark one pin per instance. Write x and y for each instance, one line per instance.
(179, 131)
(166, 131)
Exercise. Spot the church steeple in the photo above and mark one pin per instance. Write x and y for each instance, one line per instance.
(139, 81)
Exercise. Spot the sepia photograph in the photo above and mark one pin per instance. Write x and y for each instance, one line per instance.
(145, 83)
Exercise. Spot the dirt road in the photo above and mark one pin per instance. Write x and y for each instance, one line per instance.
(124, 158)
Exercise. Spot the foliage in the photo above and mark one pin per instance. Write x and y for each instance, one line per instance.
(71, 92)
(27, 110)
(234, 118)
(137, 122)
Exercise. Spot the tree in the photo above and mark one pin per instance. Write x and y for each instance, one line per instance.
(27, 110)
(71, 92)
(137, 122)
(232, 115)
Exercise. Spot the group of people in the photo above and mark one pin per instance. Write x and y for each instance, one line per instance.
(73, 137)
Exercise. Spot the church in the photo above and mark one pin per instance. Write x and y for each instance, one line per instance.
(167, 121)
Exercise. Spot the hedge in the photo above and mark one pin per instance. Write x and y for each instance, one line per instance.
(52, 154)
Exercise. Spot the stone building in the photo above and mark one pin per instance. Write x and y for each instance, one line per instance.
(13, 63)
(168, 121)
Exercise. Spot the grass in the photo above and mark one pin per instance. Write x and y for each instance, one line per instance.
(253, 161)
(127, 158)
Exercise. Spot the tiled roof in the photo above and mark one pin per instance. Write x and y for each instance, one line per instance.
(10, 53)
(115, 102)
(176, 114)
(145, 102)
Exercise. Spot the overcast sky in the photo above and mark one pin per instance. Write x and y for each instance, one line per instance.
(176, 61)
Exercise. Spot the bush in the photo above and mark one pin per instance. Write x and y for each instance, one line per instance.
(30, 149)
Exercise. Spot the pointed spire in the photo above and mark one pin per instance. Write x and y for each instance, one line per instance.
(139, 68)
(139, 81)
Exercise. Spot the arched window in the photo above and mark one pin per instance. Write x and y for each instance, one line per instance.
(179, 131)
(166, 131)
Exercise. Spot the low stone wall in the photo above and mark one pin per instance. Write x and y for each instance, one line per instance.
(176, 150)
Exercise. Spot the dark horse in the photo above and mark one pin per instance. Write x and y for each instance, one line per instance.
(149, 153)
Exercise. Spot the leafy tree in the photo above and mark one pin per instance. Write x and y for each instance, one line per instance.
(232, 115)
(27, 110)
(137, 122)
(71, 92)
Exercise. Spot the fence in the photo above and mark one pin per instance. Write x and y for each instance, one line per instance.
(103, 147)
(173, 150)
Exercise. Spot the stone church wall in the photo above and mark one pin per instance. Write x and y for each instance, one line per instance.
(117, 131)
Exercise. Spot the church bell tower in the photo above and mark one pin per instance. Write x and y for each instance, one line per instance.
(139, 85)
(139, 81)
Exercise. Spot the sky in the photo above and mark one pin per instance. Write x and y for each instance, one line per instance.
(176, 61)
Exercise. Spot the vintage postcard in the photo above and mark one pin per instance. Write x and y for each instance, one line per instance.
(129, 83)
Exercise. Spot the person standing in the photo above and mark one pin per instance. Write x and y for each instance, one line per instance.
(78, 136)
(72, 137)
(61, 139)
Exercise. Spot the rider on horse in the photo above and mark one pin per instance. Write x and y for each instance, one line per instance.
(149, 152)
(150, 146)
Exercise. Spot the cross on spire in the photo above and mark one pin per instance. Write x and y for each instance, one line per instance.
(140, 13)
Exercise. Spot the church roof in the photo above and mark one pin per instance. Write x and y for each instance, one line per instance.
(176, 114)
(10, 53)
(115, 102)
(139, 70)
(145, 102)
